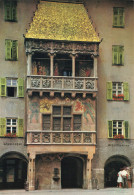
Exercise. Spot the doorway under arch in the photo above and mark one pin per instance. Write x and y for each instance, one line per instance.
(13, 171)
(71, 172)
(112, 167)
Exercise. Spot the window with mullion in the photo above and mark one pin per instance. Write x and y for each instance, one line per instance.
(11, 125)
(118, 17)
(118, 55)
(117, 88)
(117, 128)
(10, 10)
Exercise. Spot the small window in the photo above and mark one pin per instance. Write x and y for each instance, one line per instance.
(66, 110)
(118, 54)
(11, 87)
(46, 122)
(11, 126)
(56, 110)
(118, 17)
(117, 91)
(56, 123)
(66, 123)
(11, 49)
(10, 11)
(77, 123)
(118, 129)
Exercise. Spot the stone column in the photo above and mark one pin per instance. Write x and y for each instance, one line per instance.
(95, 66)
(31, 172)
(29, 64)
(89, 181)
(51, 63)
(73, 56)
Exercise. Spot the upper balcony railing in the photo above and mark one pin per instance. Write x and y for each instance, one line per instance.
(61, 137)
(64, 83)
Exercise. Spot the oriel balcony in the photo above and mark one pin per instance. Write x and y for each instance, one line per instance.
(62, 73)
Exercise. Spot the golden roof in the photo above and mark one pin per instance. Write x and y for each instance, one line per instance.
(62, 21)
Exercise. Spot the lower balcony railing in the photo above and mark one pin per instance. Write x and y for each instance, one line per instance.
(58, 137)
(62, 83)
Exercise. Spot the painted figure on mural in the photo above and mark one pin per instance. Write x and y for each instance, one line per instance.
(34, 68)
(40, 69)
(34, 109)
(56, 70)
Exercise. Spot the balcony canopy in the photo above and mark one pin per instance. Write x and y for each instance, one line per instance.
(62, 22)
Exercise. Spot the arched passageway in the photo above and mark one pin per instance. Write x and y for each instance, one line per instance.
(112, 167)
(71, 172)
(13, 171)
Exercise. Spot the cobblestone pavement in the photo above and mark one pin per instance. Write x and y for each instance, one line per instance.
(108, 191)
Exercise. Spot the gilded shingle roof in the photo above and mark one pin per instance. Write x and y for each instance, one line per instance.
(62, 21)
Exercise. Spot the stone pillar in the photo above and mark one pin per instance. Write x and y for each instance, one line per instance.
(51, 63)
(95, 66)
(31, 172)
(73, 64)
(29, 64)
(89, 177)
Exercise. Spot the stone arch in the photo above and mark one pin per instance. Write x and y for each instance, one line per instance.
(13, 166)
(71, 172)
(112, 167)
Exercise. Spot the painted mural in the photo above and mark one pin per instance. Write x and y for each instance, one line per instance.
(34, 111)
(79, 106)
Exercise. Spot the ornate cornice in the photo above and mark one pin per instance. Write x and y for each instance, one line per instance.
(61, 47)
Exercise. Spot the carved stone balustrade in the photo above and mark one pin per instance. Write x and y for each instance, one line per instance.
(61, 137)
(60, 83)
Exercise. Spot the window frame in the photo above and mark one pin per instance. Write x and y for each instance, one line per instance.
(117, 91)
(117, 128)
(11, 50)
(62, 116)
(12, 86)
(11, 125)
(118, 55)
(113, 94)
(10, 11)
(120, 18)
(124, 129)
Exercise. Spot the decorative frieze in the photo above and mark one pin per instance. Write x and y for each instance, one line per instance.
(56, 137)
(61, 47)
(62, 83)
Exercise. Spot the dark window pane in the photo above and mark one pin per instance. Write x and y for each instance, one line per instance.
(67, 110)
(77, 122)
(66, 124)
(57, 124)
(57, 110)
(46, 122)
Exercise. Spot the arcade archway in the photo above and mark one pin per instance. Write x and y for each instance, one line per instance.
(71, 172)
(13, 171)
(112, 167)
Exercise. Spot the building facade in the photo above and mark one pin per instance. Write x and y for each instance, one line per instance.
(66, 93)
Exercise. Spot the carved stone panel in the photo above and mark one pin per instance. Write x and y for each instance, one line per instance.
(46, 137)
(66, 138)
(87, 138)
(56, 138)
(89, 84)
(35, 82)
(79, 84)
(46, 83)
(77, 138)
(36, 138)
(68, 83)
(57, 83)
